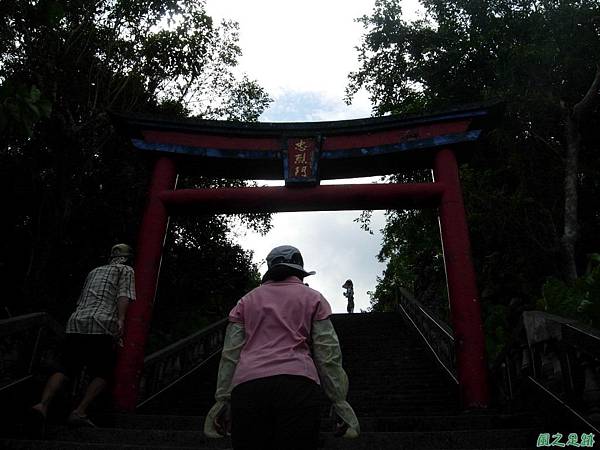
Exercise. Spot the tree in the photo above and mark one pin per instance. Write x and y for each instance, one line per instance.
(575, 117)
(71, 186)
(539, 57)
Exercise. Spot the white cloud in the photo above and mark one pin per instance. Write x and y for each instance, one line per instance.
(311, 106)
(302, 53)
(300, 46)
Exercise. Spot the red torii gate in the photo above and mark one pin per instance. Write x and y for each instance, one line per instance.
(303, 154)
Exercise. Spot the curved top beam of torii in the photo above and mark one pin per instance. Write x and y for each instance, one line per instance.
(307, 152)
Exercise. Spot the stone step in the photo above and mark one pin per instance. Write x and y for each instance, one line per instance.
(147, 437)
(387, 382)
(391, 389)
(401, 393)
(368, 424)
(63, 445)
(24, 444)
(472, 439)
(439, 411)
(410, 405)
(155, 439)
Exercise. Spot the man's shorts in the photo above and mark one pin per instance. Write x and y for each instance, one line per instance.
(97, 352)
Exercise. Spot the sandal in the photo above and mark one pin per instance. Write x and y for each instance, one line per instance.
(75, 420)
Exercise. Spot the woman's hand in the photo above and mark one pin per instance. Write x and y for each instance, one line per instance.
(222, 421)
(217, 423)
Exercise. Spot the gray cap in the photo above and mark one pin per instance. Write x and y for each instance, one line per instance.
(121, 250)
(286, 255)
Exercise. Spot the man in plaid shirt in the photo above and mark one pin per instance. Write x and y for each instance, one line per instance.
(93, 332)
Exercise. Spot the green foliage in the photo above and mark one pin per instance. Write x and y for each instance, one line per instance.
(20, 108)
(539, 58)
(496, 329)
(579, 300)
(414, 263)
(71, 186)
(411, 248)
(204, 274)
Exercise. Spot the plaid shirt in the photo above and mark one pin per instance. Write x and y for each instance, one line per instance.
(97, 311)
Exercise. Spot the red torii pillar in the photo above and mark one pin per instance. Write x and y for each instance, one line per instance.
(152, 234)
(444, 193)
(465, 307)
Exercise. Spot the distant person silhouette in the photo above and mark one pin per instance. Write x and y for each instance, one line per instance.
(349, 294)
(279, 346)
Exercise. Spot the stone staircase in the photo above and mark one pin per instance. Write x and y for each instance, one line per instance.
(403, 399)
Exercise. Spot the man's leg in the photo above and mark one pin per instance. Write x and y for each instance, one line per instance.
(68, 364)
(94, 389)
(99, 357)
(53, 385)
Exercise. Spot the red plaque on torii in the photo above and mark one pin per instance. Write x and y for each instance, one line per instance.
(300, 161)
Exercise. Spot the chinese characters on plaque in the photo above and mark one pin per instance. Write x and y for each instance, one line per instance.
(301, 161)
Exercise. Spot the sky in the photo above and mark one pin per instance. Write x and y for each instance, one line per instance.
(302, 53)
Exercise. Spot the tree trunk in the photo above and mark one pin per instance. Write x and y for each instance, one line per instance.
(573, 121)
(570, 231)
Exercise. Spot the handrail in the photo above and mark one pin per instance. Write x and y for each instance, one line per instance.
(443, 326)
(176, 347)
(20, 323)
(24, 343)
(438, 336)
(585, 338)
(558, 356)
(166, 367)
(564, 405)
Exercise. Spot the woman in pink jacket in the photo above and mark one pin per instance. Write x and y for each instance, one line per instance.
(279, 347)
